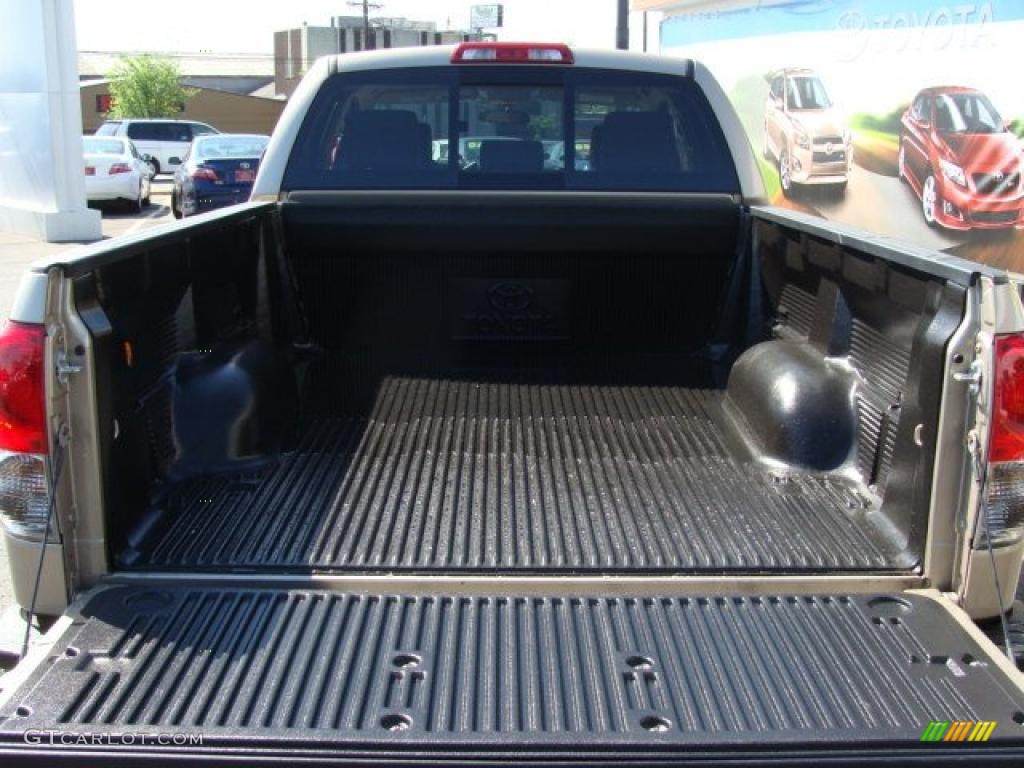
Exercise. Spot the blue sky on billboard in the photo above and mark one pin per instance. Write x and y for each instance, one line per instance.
(849, 16)
(242, 26)
(875, 54)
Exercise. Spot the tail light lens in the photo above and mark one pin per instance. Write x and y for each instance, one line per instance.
(22, 399)
(24, 496)
(204, 173)
(1004, 491)
(117, 168)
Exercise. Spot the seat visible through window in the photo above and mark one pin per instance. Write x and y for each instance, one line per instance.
(635, 142)
(511, 157)
(383, 140)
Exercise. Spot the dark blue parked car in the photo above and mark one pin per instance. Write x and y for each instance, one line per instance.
(217, 171)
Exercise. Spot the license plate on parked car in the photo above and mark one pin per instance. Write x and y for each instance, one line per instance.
(245, 175)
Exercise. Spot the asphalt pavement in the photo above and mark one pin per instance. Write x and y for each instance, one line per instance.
(17, 253)
(886, 206)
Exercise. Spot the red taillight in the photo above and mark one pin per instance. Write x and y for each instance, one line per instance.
(1006, 442)
(117, 168)
(22, 402)
(513, 53)
(90, 170)
(207, 174)
(1003, 503)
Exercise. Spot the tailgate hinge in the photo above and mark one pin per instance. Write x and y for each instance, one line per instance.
(972, 376)
(66, 366)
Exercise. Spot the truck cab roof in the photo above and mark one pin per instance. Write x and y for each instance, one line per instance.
(436, 56)
(271, 181)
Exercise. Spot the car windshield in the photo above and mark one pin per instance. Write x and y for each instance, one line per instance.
(227, 148)
(966, 113)
(807, 93)
(102, 146)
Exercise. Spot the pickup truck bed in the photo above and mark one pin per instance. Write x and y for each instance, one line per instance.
(425, 459)
(552, 678)
(442, 474)
(537, 398)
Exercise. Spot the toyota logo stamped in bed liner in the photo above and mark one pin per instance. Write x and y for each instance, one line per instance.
(531, 309)
(510, 297)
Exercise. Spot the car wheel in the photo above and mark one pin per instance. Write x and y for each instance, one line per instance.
(930, 200)
(136, 204)
(901, 163)
(154, 166)
(174, 205)
(785, 175)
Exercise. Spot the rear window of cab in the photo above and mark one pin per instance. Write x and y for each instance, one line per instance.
(500, 127)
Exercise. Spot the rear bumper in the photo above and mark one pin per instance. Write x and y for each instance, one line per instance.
(431, 678)
(122, 186)
(813, 755)
(213, 203)
(23, 555)
(210, 197)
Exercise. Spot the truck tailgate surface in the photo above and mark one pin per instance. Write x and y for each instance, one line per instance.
(445, 675)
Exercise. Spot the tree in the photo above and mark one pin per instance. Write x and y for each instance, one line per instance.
(146, 86)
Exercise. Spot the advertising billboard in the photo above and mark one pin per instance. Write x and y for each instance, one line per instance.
(901, 117)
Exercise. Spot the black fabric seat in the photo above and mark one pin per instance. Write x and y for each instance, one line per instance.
(635, 142)
(383, 140)
(512, 157)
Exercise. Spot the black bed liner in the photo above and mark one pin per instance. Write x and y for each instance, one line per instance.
(458, 475)
(306, 670)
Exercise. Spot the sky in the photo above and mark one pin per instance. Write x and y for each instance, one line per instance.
(247, 26)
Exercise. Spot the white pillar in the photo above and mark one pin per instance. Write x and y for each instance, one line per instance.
(42, 177)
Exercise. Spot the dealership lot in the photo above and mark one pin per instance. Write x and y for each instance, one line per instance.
(17, 253)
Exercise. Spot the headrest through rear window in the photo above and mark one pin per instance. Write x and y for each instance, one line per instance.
(635, 142)
(511, 157)
(383, 140)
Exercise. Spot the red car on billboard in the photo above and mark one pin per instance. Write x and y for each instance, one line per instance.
(962, 160)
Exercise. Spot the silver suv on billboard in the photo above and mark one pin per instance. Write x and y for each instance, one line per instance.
(803, 132)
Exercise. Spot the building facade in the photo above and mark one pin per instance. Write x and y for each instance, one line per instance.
(241, 73)
(227, 112)
(295, 50)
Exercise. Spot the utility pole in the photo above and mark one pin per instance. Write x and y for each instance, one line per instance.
(622, 27)
(366, 5)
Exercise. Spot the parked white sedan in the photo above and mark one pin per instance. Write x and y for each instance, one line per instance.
(114, 171)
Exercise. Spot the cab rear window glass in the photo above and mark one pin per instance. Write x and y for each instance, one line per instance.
(506, 128)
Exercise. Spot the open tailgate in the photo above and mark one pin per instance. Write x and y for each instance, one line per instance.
(333, 677)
